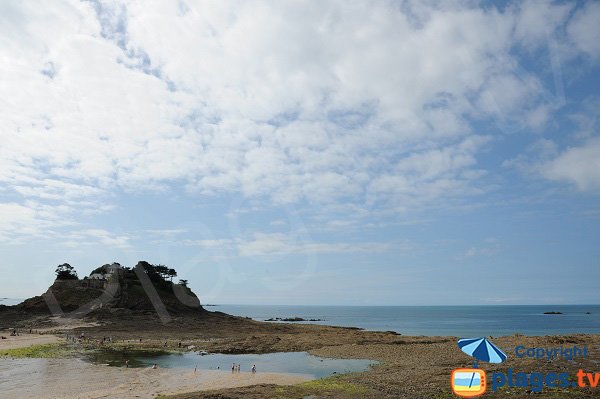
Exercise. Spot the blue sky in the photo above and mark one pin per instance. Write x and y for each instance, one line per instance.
(384, 153)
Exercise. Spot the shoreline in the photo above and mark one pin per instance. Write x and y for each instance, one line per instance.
(42, 378)
(409, 366)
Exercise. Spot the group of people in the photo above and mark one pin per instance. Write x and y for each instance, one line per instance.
(15, 333)
(75, 339)
(235, 368)
(81, 338)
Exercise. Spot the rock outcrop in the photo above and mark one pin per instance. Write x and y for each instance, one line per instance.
(113, 288)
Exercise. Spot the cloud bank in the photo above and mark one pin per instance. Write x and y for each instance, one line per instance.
(378, 105)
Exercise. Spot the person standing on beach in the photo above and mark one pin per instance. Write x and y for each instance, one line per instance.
(233, 368)
(126, 363)
(254, 369)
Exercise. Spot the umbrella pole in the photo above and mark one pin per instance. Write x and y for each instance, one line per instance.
(472, 377)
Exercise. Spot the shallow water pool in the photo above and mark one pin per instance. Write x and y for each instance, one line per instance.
(281, 362)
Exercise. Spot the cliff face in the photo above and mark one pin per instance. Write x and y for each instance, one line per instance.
(112, 289)
(70, 295)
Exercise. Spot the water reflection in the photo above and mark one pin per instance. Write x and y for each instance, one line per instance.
(282, 362)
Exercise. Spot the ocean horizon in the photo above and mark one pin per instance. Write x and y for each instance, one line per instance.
(429, 320)
(441, 320)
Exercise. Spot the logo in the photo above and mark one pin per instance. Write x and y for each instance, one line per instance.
(468, 383)
(472, 382)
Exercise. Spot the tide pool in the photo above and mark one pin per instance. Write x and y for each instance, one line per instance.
(281, 362)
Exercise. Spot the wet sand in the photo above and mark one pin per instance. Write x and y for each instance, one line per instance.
(25, 340)
(74, 378)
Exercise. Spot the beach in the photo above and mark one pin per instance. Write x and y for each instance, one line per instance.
(64, 378)
(407, 366)
(24, 340)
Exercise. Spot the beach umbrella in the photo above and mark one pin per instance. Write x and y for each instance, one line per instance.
(482, 349)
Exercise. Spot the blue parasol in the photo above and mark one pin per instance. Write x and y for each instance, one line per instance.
(482, 349)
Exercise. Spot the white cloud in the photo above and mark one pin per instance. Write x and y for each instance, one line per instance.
(430, 174)
(15, 218)
(52, 189)
(578, 165)
(326, 102)
(167, 233)
(488, 248)
(31, 219)
(269, 244)
(538, 22)
(103, 237)
(583, 29)
(280, 244)
(221, 244)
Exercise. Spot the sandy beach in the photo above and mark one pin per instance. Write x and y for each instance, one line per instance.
(31, 378)
(25, 340)
(409, 367)
(64, 378)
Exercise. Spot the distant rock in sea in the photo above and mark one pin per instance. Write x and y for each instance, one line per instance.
(552, 312)
(292, 319)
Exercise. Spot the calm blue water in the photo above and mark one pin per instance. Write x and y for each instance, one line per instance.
(460, 321)
(283, 362)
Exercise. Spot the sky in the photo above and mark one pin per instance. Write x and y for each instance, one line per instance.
(305, 152)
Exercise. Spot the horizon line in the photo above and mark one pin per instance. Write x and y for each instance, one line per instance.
(379, 305)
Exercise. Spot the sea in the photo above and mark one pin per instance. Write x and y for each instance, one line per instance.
(458, 321)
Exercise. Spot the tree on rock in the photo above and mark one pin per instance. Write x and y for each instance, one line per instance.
(66, 272)
(172, 273)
